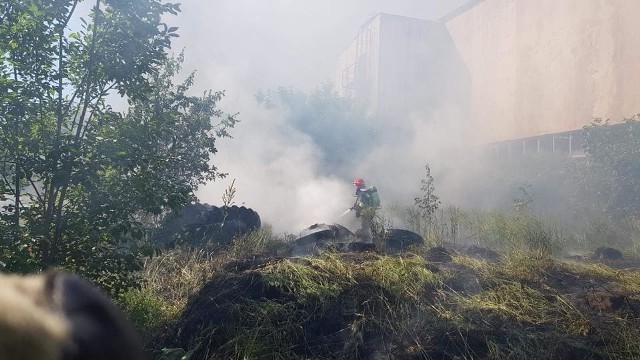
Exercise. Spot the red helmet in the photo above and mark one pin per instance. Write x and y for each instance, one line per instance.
(359, 183)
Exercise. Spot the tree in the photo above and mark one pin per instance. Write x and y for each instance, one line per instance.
(77, 176)
(614, 152)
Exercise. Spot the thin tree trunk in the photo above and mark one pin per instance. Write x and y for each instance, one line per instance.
(17, 169)
(67, 169)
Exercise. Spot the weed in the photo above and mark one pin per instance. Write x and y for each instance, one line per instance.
(178, 274)
(148, 311)
(229, 194)
(525, 304)
(261, 241)
(324, 277)
(626, 280)
(428, 202)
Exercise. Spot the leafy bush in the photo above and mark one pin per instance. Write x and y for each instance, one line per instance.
(81, 177)
(148, 311)
(616, 149)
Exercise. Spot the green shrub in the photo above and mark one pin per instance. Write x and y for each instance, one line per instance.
(148, 311)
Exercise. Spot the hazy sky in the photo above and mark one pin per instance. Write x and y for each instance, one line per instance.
(243, 45)
(268, 43)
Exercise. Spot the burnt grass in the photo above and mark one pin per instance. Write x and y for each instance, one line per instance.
(403, 306)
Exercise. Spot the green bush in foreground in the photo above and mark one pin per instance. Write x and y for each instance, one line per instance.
(149, 311)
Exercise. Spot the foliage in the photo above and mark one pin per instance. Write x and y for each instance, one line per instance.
(148, 311)
(524, 200)
(428, 202)
(337, 125)
(178, 274)
(616, 150)
(518, 232)
(163, 145)
(261, 241)
(423, 216)
(78, 177)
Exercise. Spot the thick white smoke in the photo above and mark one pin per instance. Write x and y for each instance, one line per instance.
(440, 140)
(275, 171)
(243, 46)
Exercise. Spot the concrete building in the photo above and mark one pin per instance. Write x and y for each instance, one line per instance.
(548, 66)
(522, 68)
(399, 66)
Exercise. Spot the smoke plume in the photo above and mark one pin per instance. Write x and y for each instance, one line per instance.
(244, 46)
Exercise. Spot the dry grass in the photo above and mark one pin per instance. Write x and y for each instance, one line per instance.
(627, 280)
(169, 280)
(178, 274)
(398, 306)
(527, 305)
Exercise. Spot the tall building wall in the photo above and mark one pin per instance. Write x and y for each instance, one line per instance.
(357, 69)
(418, 68)
(548, 66)
(402, 67)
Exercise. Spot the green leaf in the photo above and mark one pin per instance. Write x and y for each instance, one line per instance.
(33, 8)
(117, 170)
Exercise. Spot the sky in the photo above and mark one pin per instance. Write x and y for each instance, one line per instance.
(266, 43)
(241, 46)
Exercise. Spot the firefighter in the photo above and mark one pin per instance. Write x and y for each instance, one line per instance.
(367, 201)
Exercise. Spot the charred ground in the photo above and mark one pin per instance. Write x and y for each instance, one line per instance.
(522, 304)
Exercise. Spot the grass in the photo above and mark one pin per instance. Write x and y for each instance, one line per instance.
(169, 280)
(178, 274)
(530, 306)
(625, 280)
(527, 304)
(322, 278)
(260, 242)
(523, 266)
(173, 277)
(346, 295)
(149, 311)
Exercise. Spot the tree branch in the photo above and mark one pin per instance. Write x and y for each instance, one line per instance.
(87, 91)
(8, 185)
(40, 198)
(97, 99)
(77, 140)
